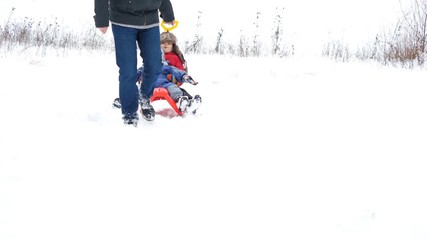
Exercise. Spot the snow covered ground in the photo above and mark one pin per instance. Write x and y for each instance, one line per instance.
(297, 148)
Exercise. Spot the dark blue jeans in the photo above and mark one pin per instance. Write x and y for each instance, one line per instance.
(126, 40)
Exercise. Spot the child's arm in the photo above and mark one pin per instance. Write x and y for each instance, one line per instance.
(179, 75)
(174, 71)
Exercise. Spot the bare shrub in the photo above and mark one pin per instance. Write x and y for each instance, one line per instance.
(256, 43)
(278, 47)
(414, 36)
(28, 33)
(219, 47)
(336, 50)
(243, 49)
(195, 46)
(405, 44)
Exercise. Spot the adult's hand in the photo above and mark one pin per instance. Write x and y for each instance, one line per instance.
(103, 29)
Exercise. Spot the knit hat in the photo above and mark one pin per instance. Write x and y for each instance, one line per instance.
(168, 37)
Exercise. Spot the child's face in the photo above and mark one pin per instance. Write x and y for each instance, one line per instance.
(166, 47)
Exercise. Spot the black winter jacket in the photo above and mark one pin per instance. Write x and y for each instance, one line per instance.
(132, 12)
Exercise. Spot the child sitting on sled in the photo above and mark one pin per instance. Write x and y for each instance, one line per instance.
(174, 57)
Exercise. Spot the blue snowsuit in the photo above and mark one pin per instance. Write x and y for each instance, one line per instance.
(175, 75)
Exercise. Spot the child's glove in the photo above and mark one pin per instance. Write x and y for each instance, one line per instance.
(189, 79)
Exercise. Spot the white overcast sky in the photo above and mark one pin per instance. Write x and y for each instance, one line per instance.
(304, 21)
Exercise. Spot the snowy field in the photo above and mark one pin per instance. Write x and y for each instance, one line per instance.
(297, 148)
(300, 148)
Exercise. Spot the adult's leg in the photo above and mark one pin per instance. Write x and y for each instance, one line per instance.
(126, 60)
(149, 44)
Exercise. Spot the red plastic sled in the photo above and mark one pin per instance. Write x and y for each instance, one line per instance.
(162, 94)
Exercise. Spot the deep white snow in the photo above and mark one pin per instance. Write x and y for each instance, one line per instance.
(298, 148)
(280, 149)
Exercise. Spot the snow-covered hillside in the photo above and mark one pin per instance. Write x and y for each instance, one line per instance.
(298, 148)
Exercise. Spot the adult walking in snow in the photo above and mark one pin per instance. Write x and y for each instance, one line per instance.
(135, 22)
